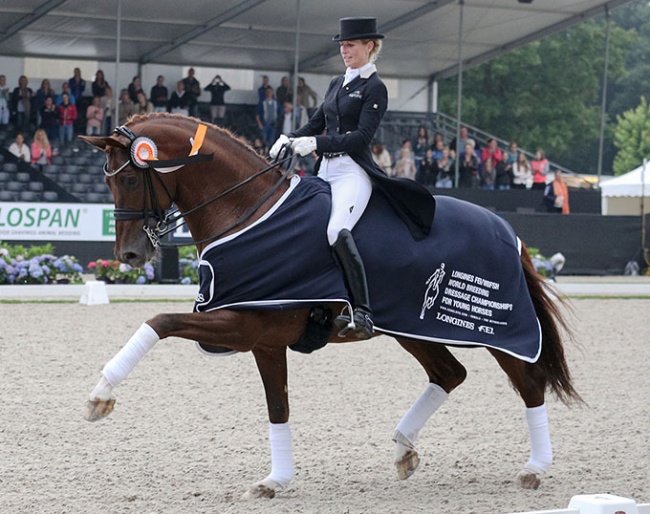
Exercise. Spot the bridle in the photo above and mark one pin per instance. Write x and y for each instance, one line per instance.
(166, 223)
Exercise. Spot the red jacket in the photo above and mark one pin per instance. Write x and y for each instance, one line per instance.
(67, 114)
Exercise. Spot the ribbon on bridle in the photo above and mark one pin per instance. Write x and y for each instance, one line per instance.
(143, 154)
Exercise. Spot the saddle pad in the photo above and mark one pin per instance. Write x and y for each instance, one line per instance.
(462, 286)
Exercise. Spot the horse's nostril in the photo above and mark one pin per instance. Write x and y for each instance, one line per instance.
(129, 257)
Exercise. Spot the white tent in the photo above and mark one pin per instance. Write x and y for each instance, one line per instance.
(627, 194)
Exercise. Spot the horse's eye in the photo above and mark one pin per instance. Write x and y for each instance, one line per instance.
(132, 180)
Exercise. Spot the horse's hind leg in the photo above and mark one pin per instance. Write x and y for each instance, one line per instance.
(530, 382)
(445, 373)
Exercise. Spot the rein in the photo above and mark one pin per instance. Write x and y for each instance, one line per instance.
(168, 223)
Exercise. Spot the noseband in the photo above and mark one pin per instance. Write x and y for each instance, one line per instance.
(167, 223)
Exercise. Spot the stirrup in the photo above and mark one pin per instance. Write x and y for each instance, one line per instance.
(360, 325)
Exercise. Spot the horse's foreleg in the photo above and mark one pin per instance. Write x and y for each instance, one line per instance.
(530, 383)
(445, 373)
(272, 365)
(234, 329)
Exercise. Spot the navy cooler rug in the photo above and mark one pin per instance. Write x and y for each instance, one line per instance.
(463, 285)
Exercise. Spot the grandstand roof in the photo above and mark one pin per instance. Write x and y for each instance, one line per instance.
(422, 35)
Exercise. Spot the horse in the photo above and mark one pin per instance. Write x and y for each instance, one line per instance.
(224, 192)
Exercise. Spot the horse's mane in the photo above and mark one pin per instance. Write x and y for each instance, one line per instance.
(139, 118)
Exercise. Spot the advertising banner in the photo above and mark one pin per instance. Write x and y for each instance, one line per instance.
(56, 222)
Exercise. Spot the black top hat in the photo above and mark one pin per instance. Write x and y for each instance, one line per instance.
(357, 28)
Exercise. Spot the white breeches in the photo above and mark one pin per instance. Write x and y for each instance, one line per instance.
(351, 190)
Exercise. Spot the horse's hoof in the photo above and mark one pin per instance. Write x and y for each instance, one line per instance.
(407, 465)
(98, 409)
(258, 491)
(529, 479)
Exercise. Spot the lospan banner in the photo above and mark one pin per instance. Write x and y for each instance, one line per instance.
(56, 222)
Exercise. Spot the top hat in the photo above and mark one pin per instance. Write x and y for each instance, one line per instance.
(357, 28)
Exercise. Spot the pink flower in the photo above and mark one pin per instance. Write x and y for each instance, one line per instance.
(92, 265)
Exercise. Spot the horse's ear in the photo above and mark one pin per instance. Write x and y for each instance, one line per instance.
(102, 142)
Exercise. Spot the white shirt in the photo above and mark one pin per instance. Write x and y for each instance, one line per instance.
(351, 74)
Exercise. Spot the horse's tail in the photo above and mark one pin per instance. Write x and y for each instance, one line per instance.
(552, 361)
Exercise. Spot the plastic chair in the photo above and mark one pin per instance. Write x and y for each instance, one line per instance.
(50, 196)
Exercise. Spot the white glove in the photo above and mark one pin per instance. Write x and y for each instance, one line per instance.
(303, 145)
(277, 146)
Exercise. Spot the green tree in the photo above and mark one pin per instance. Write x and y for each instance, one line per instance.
(632, 138)
(545, 94)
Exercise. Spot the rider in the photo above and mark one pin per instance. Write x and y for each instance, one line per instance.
(350, 114)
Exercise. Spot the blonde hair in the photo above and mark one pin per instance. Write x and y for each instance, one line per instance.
(374, 53)
(40, 137)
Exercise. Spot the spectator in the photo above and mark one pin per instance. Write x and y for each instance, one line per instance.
(179, 103)
(41, 149)
(492, 151)
(302, 116)
(134, 88)
(95, 117)
(284, 93)
(290, 122)
(420, 144)
(76, 87)
(406, 143)
(427, 173)
(159, 95)
(464, 138)
(468, 176)
(437, 138)
(217, 89)
(405, 164)
(193, 90)
(142, 106)
(261, 91)
(556, 195)
(381, 156)
(259, 146)
(125, 107)
(67, 117)
(445, 170)
(50, 119)
(107, 104)
(4, 101)
(99, 85)
(488, 174)
(504, 176)
(20, 149)
(539, 166)
(511, 155)
(522, 174)
(437, 148)
(266, 117)
(58, 99)
(306, 93)
(22, 103)
(43, 92)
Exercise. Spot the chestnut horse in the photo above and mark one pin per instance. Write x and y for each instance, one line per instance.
(221, 187)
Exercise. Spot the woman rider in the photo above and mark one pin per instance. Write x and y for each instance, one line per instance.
(350, 114)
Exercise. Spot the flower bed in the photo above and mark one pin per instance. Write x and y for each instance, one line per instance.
(37, 265)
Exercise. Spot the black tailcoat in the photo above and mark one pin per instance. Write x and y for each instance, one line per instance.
(350, 116)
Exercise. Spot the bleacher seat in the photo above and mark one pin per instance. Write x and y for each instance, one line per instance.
(58, 160)
(65, 178)
(50, 196)
(15, 186)
(36, 187)
(100, 188)
(7, 196)
(11, 167)
(4, 177)
(72, 169)
(51, 168)
(2, 157)
(22, 177)
(28, 196)
(84, 178)
(78, 189)
(94, 198)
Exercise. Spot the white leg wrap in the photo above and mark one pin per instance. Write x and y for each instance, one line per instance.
(282, 471)
(407, 430)
(541, 454)
(120, 366)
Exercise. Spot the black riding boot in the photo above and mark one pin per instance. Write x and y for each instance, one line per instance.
(360, 325)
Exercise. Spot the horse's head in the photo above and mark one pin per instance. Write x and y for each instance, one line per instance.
(139, 159)
(158, 160)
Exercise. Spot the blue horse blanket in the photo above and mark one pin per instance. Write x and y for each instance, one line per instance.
(462, 286)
